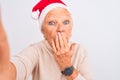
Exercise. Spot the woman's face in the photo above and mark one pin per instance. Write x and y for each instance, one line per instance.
(57, 21)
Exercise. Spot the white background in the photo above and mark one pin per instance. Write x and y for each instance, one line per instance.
(96, 26)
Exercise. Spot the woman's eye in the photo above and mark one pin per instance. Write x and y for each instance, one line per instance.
(66, 22)
(51, 23)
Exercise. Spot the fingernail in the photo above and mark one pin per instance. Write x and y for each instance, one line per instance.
(62, 33)
(57, 33)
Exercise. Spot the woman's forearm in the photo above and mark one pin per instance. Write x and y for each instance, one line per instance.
(4, 48)
(73, 76)
(7, 69)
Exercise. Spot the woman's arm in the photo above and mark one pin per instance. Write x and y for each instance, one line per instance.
(7, 70)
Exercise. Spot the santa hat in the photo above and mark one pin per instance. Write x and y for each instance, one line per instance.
(41, 9)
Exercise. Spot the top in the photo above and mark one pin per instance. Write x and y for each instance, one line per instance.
(38, 59)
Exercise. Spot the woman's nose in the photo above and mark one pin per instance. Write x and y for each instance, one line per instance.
(60, 28)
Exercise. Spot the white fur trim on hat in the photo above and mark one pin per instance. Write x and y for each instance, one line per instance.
(47, 9)
(35, 14)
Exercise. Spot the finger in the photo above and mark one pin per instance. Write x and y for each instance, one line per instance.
(72, 47)
(64, 40)
(53, 46)
(60, 41)
(57, 43)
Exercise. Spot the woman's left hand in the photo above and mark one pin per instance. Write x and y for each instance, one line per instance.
(62, 52)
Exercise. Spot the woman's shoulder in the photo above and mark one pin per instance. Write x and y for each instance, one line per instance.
(39, 45)
(79, 46)
(80, 49)
(36, 44)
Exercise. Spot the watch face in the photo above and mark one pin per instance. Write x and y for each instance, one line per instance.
(68, 71)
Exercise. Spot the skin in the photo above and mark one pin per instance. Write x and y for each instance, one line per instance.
(57, 20)
(5, 66)
(57, 28)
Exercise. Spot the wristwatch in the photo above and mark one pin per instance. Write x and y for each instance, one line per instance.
(68, 71)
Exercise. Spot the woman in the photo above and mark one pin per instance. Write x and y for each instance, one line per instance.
(55, 58)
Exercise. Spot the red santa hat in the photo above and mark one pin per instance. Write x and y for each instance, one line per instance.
(41, 9)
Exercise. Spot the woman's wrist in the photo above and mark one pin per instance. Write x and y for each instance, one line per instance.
(73, 76)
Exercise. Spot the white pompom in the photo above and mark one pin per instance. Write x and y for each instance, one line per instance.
(35, 15)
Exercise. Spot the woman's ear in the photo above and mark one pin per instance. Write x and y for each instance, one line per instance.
(43, 32)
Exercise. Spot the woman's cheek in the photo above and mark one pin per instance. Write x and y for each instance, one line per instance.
(68, 36)
(50, 35)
